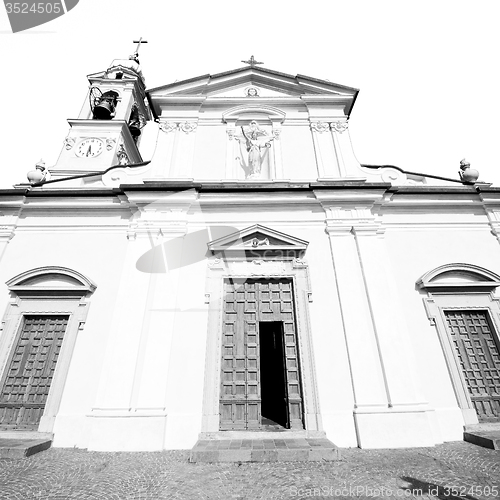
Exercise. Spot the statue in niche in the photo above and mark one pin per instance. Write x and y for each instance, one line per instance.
(256, 142)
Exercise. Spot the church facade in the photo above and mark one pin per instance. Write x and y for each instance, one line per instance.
(252, 276)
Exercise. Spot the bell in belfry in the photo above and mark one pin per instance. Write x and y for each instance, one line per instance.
(105, 109)
(136, 123)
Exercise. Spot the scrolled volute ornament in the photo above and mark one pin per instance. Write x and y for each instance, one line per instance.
(188, 127)
(168, 127)
(69, 142)
(320, 127)
(339, 127)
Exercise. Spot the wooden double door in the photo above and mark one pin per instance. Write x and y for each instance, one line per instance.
(260, 372)
(477, 349)
(28, 375)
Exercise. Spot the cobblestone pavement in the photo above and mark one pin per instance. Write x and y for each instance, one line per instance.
(452, 471)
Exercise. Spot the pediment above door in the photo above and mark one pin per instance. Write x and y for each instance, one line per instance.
(259, 242)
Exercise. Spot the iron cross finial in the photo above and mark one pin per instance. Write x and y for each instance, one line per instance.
(252, 61)
(135, 55)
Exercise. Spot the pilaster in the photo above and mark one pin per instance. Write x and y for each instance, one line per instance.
(279, 172)
(388, 401)
(323, 147)
(10, 210)
(165, 149)
(175, 149)
(387, 313)
(134, 382)
(360, 336)
(491, 203)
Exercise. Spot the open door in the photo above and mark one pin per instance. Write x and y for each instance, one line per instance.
(273, 385)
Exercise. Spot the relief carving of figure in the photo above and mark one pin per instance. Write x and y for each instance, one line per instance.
(256, 142)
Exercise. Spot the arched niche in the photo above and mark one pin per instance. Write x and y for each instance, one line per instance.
(245, 114)
(269, 119)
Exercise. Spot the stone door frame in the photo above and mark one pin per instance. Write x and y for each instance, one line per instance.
(47, 291)
(220, 269)
(459, 287)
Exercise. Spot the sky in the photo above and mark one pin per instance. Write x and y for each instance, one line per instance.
(428, 71)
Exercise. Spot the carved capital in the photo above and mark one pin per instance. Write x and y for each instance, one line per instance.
(7, 233)
(339, 126)
(168, 127)
(320, 127)
(231, 132)
(216, 263)
(299, 263)
(276, 133)
(188, 127)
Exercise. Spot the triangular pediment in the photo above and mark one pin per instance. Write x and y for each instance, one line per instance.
(110, 74)
(269, 82)
(258, 239)
(251, 91)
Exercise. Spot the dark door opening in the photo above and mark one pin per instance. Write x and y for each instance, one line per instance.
(272, 373)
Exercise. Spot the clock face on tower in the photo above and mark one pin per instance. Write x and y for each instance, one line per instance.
(89, 148)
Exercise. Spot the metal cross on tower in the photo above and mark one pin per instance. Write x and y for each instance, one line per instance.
(135, 55)
(252, 61)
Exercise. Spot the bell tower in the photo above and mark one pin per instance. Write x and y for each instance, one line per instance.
(107, 131)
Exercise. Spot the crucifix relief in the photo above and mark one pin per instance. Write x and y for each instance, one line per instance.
(254, 145)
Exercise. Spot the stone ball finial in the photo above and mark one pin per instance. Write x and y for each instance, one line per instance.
(466, 173)
(37, 175)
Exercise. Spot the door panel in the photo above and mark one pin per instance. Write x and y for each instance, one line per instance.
(26, 382)
(246, 303)
(477, 350)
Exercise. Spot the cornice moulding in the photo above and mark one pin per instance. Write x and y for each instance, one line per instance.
(458, 275)
(320, 99)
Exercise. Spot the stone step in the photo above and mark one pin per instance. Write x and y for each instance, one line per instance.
(261, 435)
(19, 448)
(489, 440)
(264, 450)
(485, 434)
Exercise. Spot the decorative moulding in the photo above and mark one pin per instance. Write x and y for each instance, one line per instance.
(252, 112)
(339, 126)
(259, 242)
(185, 126)
(51, 280)
(458, 276)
